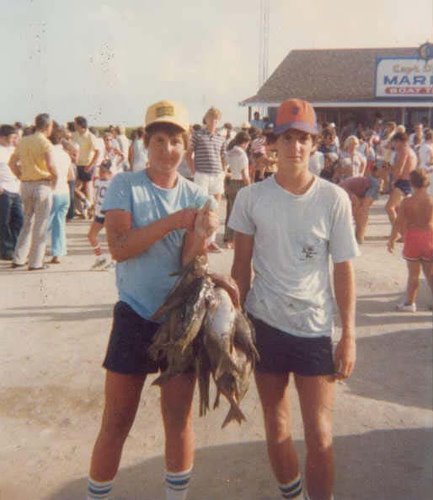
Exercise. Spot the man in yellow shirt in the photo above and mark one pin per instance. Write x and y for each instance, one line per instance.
(87, 158)
(32, 164)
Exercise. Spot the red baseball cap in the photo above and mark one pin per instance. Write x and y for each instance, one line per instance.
(297, 114)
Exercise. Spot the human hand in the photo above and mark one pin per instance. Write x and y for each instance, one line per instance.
(345, 357)
(206, 222)
(185, 218)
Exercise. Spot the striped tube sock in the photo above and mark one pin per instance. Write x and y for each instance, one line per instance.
(176, 484)
(97, 490)
(292, 490)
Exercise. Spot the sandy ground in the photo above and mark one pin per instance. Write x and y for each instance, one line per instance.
(54, 327)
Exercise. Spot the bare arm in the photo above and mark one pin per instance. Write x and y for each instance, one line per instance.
(245, 176)
(126, 242)
(50, 165)
(96, 154)
(14, 166)
(344, 286)
(241, 269)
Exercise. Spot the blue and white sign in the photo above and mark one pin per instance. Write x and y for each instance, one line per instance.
(404, 77)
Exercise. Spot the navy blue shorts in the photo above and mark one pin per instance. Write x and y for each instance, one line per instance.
(99, 220)
(281, 352)
(131, 336)
(83, 175)
(404, 186)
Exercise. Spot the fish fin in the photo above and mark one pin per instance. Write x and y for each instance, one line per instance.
(202, 367)
(163, 378)
(235, 413)
(217, 399)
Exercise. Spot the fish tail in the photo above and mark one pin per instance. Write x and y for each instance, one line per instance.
(217, 399)
(225, 365)
(235, 413)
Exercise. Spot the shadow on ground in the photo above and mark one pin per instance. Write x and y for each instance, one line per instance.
(381, 464)
(61, 313)
(395, 367)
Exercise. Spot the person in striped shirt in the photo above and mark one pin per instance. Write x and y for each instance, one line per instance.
(206, 159)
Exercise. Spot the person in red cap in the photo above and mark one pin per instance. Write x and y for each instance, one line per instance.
(289, 226)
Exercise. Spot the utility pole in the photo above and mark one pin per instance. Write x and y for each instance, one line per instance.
(264, 42)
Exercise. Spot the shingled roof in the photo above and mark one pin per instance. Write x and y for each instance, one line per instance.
(326, 75)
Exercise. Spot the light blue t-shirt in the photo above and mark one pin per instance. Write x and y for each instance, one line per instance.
(144, 281)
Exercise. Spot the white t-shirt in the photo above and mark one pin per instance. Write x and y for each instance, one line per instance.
(316, 163)
(294, 236)
(237, 160)
(8, 180)
(140, 155)
(62, 162)
(425, 156)
(101, 186)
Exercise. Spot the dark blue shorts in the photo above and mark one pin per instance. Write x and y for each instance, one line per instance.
(82, 175)
(99, 220)
(131, 336)
(404, 186)
(281, 352)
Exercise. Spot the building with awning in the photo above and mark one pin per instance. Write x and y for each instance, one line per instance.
(354, 84)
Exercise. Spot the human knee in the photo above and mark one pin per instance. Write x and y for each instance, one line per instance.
(320, 441)
(276, 424)
(117, 424)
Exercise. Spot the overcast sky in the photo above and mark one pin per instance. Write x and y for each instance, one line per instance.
(108, 60)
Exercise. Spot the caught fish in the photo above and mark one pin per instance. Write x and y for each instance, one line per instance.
(230, 363)
(186, 309)
(197, 268)
(234, 386)
(206, 329)
(245, 336)
(219, 331)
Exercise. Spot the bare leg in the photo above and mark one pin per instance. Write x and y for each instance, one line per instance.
(273, 392)
(122, 395)
(316, 397)
(427, 269)
(362, 219)
(413, 269)
(176, 408)
(92, 235)
(393, 203)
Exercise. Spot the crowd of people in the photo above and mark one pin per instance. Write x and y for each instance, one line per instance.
(297, 196)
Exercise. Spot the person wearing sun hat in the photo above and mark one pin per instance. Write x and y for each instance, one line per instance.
(289, 226)
(155, 224)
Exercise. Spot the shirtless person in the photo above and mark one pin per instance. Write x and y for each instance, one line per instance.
(415, 223)
(405, 162)
(363, 192)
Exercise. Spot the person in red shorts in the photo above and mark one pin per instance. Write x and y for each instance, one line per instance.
(415, 223)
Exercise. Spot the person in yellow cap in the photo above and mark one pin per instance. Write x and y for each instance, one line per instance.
(290, 225)
(154, 226)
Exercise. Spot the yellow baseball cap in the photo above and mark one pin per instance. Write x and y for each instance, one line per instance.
(167, 112)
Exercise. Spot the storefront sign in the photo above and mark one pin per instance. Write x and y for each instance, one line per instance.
(404, 77)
